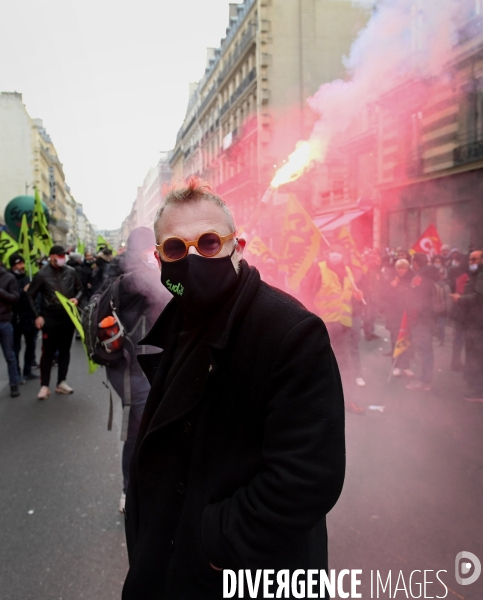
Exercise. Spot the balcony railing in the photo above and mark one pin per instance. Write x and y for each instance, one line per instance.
(243, 85)
(470, 30)
(468, 153)
(247, 38)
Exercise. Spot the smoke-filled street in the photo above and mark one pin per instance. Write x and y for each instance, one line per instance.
(412, 497)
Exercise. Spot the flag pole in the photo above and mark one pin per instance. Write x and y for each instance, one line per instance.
(393, 365)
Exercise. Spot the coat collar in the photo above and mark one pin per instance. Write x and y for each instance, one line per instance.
(186, 389)
(218, 325)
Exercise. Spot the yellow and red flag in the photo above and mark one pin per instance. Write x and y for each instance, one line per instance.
(429, 242)
(257, 247)
(403, 342)
(345, 238)
(300, 242)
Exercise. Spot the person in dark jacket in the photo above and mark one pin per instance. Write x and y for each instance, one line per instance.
(141, 299)
(395, 295)
(57, 327)
(100, 274)
(87, 273)
(421, 318)
(470, 304)
(9, 296)
(23, 320)
(240, 452)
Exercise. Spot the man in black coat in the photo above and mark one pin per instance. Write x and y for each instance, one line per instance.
(23, 320)
(470, 304)
(9, 296)
(52, 318)
(240, 453)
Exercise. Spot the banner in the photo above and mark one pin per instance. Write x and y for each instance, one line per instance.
(81, 247)
(257, 247)
(429, 242)
(25, 248)
(300, 242)
(345, 238)
(402, 342)
(73, 312)
(7, 247)
(41, 238)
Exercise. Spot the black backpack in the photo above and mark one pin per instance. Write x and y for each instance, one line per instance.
(98, 308)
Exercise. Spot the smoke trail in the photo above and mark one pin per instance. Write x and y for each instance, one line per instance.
(404, 40)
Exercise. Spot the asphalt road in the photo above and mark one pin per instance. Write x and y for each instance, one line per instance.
(413, 496)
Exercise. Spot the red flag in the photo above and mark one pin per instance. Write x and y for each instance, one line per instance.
(402, 342)
(429, 242)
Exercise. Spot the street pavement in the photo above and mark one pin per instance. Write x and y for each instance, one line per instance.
(412, 499)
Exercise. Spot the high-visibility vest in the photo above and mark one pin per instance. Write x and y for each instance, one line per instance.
(333, 301)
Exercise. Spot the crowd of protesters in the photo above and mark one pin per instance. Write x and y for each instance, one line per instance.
(419, 298)
(29, 306)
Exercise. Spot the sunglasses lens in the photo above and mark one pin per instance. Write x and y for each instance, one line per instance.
(174, 249)
(209, 244)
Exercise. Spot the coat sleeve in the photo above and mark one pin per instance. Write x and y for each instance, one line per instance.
(32, 292)
(475, 297)
(304, 454)
(10, 294)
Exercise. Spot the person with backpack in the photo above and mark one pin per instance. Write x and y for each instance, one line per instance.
(129, 305)
(100, 274)
(56, 325)
(423, 300)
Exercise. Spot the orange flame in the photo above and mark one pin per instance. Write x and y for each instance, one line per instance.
(297, 163)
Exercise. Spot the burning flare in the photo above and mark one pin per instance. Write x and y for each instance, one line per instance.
(297, 163)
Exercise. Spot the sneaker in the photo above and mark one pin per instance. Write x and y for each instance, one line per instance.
(360, 382)
(44, 393)
(396, 372)
(122, 502)
(63, 388)
(21, 380)
(14, 391)
(408, 373)
(418, 386)
(31, 376)
(473, 397)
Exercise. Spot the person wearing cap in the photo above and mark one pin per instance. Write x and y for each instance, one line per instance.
(100, 275)
(9, 296)
(240, 452)
(23, 319)
(57, 327)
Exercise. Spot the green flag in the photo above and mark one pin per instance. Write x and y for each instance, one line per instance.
(73, 312)
(81, 247)
(42, 240)
(7, 247)
(102, 243)
(24, 245)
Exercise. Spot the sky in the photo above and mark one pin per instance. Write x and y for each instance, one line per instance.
(110, 82)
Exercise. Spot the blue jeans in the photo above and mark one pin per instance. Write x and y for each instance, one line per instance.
(6, 340)
(139, 393)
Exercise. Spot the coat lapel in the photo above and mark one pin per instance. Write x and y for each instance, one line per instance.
(188, 385)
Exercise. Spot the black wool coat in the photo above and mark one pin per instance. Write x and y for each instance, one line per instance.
(241, 455)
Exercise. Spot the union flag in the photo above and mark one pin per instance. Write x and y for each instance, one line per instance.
(300, 242)
(429, 242)
(402, 342)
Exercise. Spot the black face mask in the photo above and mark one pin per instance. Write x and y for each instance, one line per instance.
(197, 283)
